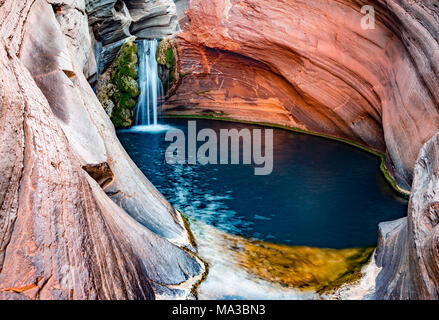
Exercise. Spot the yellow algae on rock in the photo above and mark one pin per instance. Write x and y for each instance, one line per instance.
(303, 268)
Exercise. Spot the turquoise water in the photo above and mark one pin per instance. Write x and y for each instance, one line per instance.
(321, 193)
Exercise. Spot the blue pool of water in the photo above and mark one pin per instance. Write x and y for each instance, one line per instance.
(321, 193)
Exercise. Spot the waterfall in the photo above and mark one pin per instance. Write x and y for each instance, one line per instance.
(98, 54)
(151, 88)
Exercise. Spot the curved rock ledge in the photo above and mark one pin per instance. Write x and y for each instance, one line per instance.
(310, 65)
(408, 250)
(114, 20)
(78, 220)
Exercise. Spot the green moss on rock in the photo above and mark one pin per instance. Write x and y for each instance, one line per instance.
(167, 58)
(170, 58)
(162, 48)
(119, 90)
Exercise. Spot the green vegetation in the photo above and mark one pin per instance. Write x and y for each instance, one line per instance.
(390, 179)
(202, 92)
(166, 58)
(170, 58)
(165, 54)
(120, 89)
(124, 76)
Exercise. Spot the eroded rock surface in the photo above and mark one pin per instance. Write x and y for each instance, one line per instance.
(310, 64)
(113, 21)
(62, 236)
(118, 90)
(153, 18)
(78, 220)
(408, 249)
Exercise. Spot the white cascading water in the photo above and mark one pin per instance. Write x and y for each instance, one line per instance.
(151, 88)
(98, 52)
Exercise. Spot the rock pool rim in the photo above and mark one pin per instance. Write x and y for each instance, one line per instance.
(193, 242)
(152, 128)
(350, 276)
(389, 178)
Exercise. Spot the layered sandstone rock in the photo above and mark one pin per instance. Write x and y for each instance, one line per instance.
(408, 250)
(110, 20)
(311, 65)
(153, 18)
(113, 21)
(78, 220)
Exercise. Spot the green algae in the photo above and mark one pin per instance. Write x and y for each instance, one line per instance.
(310, 269)
(167, 58)
(186, 222)
(188, 229)
(120, 90)
(321, 270)
(124, 75)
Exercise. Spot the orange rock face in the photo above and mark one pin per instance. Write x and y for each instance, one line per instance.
(78, 220)
(311, 65)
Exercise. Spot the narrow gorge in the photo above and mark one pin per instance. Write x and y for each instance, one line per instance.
(89, 89)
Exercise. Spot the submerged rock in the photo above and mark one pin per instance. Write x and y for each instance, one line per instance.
(243, 268)
(305, 268)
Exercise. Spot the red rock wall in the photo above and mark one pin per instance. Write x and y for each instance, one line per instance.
(61, 235)
(309, 64)
(49, 217)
